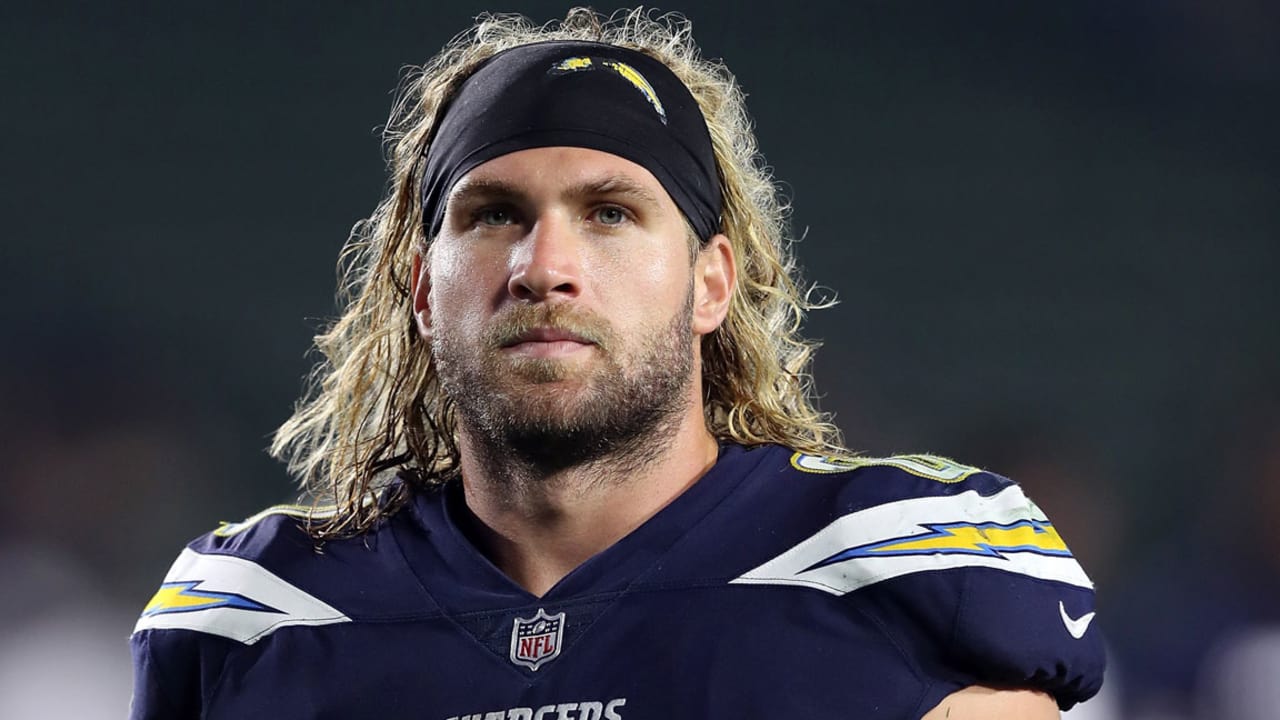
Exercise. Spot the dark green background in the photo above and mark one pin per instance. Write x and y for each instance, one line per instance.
(1052, 228)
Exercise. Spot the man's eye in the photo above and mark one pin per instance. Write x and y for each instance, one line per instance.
(611, 215)
(493, 216)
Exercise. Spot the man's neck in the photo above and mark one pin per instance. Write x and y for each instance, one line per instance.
(537, 527)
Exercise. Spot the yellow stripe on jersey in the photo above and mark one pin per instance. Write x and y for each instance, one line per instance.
(301, 512)
(931, 467)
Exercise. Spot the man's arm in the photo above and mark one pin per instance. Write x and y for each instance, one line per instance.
(984, 703)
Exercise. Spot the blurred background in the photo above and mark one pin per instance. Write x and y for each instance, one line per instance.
(1054, 229)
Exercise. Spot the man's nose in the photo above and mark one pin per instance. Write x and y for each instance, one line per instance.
(547, 262)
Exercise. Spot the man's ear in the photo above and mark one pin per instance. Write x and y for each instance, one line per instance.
(714, 277)
(420, 291)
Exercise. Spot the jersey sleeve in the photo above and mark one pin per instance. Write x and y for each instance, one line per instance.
(1022, 633)
(963, 571)
(222, 593)
(994, 593)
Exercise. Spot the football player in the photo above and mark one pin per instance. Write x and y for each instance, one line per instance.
(573, 466)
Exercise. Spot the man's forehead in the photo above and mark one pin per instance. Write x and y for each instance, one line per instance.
(568, 171)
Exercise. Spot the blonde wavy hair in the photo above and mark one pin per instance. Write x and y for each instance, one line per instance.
(375, 405)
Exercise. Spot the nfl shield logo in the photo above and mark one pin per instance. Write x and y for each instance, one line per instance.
(536, 641)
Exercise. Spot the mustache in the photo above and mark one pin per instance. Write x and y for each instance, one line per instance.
(518, 320)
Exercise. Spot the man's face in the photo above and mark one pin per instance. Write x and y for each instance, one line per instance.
(560, 303)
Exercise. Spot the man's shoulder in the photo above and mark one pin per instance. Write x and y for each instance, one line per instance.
(278, 538)
(246, 579)
(870, 519)
(956, 562)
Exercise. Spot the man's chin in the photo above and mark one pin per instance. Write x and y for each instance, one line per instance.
(552, 407)
(547, 371)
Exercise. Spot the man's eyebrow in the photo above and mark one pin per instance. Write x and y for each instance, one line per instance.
(613, 185)
(482, 189)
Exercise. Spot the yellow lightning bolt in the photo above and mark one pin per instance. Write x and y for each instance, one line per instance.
(635, 78)
(574, 63)
(184, 597)
(174, 597)
(985, 539)
(965, 538)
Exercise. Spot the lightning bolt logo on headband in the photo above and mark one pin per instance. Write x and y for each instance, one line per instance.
(962, 538)
(623, 70)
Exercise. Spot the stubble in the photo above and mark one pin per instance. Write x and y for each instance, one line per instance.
(543, 415)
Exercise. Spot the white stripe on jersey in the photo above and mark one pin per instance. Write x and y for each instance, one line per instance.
(205, 589)
(905, 521)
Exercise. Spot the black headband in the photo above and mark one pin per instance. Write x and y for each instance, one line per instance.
(577, 94)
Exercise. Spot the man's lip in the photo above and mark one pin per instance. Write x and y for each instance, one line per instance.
(547, 335)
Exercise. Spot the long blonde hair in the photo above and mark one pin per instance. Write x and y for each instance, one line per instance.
(375, 405)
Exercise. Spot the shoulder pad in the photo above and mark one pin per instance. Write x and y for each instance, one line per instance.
(228, 583)
(983, 521)
(957, 564)
(231, 597)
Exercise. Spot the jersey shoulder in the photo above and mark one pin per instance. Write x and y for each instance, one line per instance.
(248, 579)
(232, 581)
(958, 562)
(906, 514)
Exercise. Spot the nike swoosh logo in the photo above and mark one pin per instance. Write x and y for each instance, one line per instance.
(1076, 626)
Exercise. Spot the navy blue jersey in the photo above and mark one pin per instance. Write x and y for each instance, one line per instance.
(778, 585)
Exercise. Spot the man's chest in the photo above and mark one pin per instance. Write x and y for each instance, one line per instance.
(712, 652)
